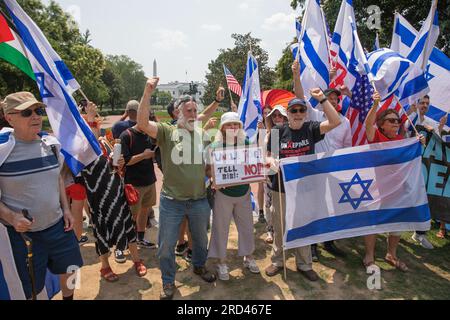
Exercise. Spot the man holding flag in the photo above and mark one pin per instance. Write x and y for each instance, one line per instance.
(297, 138)
(30, 181)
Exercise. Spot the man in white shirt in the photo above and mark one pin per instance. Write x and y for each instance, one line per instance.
(339, 138)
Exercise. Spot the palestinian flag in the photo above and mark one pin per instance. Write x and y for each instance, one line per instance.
(11, 48)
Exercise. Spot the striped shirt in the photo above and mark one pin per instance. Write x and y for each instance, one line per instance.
(29, 179)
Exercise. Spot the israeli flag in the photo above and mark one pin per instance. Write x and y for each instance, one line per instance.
(354, 192)
(314, 50)
(250, 109)
(437, 70)
(79, 145)
(390, 69)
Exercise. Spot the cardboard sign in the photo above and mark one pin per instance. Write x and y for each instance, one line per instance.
(237, 166)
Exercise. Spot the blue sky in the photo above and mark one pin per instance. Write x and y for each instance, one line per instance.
(181, 35)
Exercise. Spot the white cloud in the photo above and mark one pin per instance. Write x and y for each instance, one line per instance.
(280, 21)
(170, 39)
(212, 27)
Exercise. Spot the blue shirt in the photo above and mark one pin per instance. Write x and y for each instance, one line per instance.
(120, 127)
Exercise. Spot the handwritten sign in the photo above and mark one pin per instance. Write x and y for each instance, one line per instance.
(237, 166)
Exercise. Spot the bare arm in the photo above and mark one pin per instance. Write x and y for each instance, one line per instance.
(149, 127)
(209, 111)
(372, 117)
(147, 154)
(333, 119)
(298, 88)
(91, 110)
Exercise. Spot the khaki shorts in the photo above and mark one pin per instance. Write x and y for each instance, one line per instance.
(147, 199)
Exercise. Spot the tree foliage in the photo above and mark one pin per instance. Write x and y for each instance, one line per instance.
(236, 60)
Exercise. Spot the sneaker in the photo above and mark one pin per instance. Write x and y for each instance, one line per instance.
(261, 218)
(311, 275)
(422, 239)
(314, 253)
(119, 256)
(146, 244)
(205, 274)
(83, 240)
(331, 248)
(181, 249)
(167, 292)
(188, 255)
(222, 272)
(251, 265)
(273, 270)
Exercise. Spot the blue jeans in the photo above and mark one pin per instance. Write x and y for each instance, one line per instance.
(171, 215)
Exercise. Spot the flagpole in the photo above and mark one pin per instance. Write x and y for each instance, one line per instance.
(282, 225)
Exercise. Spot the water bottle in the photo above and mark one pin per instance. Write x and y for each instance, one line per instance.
(117, 152)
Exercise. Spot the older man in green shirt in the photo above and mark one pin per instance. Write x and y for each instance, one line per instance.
(183, 192)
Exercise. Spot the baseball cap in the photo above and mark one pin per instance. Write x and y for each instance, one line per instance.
(296, 102)
(332, 90)
(20, 101)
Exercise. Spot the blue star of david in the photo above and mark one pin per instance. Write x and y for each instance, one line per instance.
(428, 75)
(365, 195)
(45, 93)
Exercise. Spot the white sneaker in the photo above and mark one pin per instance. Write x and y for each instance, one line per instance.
(222, 272)
(251, 265)
(422, 239)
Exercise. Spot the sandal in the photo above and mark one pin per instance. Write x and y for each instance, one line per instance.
(441, 234)
(109, 275)
(397, 263)
(141, 270)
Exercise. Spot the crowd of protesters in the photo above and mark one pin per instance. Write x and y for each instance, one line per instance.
(33, 176)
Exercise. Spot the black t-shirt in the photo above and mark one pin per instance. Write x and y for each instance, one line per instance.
(141, 174)
(294, 143)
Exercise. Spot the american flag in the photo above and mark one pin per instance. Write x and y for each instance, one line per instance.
(233, 84)
(360, 106)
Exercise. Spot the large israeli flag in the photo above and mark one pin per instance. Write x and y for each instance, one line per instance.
(355, 192)
(250, 110)
(437, 70)
(79, 145)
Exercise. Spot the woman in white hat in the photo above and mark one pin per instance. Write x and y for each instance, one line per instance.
(232, 202)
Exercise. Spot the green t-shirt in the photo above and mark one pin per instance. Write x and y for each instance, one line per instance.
(182, 162)
(235, 191)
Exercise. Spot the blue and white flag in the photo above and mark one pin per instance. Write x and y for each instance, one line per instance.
(390, 69)
(314, 48)
(355, 192)
(79, 145)
(250, 110)
(416, 85)
(10, 283)
(437, 71)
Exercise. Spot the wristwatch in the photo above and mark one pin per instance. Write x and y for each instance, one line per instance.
(322, 101)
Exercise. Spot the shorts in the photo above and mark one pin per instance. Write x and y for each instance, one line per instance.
(76, 192)
(52, 248)
(147, 199)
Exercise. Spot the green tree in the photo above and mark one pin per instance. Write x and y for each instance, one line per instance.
(236, 60)
(414, 11)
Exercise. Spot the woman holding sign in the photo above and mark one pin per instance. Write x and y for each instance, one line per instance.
(231, 202)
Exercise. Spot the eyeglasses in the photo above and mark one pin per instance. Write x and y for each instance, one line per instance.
(28, 112)
(277, 115)
(393, 121)
(294, 111)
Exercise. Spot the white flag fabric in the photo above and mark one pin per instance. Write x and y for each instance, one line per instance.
(366, 190)
(437, 71)
(79, 145)
(250, 110)
(314, 50)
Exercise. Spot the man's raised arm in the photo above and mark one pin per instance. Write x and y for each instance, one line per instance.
(143, 124)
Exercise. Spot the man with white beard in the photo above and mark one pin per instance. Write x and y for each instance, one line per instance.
(183, 192)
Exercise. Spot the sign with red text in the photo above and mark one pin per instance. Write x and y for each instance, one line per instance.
(237, 166)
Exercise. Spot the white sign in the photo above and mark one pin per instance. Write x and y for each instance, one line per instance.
(237, 166)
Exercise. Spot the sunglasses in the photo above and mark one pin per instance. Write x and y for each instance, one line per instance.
(28, 112)
(294, 111)
(393, 121)
(277, 115)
